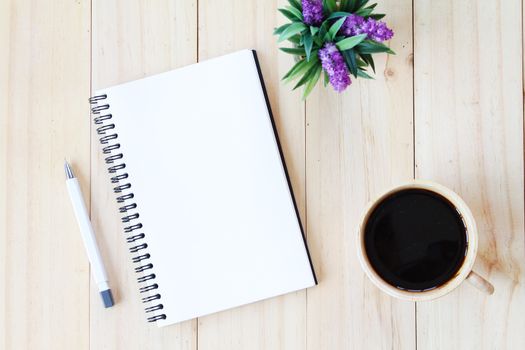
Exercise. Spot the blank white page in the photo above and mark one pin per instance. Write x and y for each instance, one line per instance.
(211, 188)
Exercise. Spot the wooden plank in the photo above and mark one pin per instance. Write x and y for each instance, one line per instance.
(358, 144)
(132, 39)
(469, 137)
(5, 24)
(44, 80)
(226, 26)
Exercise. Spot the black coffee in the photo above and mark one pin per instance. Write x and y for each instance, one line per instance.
(415, 240)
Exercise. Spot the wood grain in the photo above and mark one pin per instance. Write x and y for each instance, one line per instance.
(132, 39)
(226, 26)
(358, 143)
(44, 300)
(341, 151)
(469, 137)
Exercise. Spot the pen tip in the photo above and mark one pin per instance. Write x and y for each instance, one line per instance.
(68, 170)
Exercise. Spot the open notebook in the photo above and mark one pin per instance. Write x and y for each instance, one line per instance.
(202, 189)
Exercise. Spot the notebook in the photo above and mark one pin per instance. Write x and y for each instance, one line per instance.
(202, 188)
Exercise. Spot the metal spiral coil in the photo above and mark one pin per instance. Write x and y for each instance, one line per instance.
(122, 199)
(151, 298)
(148, 288)
(139, 258)
(106, 129)
(116, 179)
(134, 238)
(143, 268)
(136, 248)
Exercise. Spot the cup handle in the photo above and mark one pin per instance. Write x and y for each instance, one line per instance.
(480, 283)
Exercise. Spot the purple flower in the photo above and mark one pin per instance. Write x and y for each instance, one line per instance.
(313, 12)
(334, 65)
(376, 30)
(352, 25)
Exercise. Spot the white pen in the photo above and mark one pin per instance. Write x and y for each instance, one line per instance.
(88, 236)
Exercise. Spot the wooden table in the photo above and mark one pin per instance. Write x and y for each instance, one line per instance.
(448, 107)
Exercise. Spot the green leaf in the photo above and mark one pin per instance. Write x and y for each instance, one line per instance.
(299, 68)
(368, 59)
(308, 43)
(343, 5)
(330, 5)
(360, 62)
(294, 28)
(312, 82)
(307, 76)
(288, 14)
(349, 6)
(377, 16)
(318, 40)
(337, 15)
(323, 29)
(335, 28)
(293, 50)
(351, 62)
(296, 12)
(326, 78)
(313, 30)
(364, 12)
(296, 4)
(350, 42)
(279, 30)
(359, 4)
(373, 6)
(362, 74)
(369, 46)
(296, 39)
(295, 70)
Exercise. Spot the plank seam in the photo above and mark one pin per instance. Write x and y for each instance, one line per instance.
(414, 133)
(305, 187)
(90, 155)
(413, 95)
(197, 59)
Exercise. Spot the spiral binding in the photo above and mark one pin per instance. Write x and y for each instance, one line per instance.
(114, 159)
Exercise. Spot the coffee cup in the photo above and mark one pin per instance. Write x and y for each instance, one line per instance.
(418, 241)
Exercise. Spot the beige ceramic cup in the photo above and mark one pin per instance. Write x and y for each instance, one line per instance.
(465, 270)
